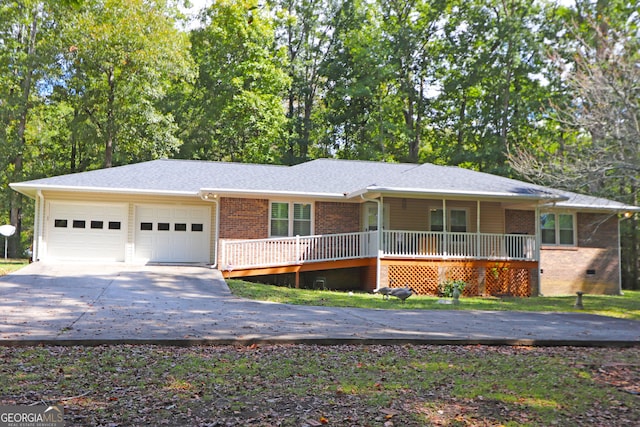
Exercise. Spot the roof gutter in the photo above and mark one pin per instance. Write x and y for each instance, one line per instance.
(31, 190)
(453, 193)
(217, 192)
(620, 209)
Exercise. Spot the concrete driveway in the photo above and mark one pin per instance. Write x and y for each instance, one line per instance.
(94, 304)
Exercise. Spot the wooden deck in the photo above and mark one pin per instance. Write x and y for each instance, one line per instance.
(489, 264)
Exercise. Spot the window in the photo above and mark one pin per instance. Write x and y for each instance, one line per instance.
(197, 227)
(290, 219)
(557, 229)
(301, 219)
(280, 219)
(163, 226)
(436, 220)
(180, 227)
(146, 226)
(60, 223)
(457, 220)
(114, 225)
(97, 225)
(79, 223)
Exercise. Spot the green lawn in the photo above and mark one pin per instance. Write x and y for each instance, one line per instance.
(9, 265)
(626, 306)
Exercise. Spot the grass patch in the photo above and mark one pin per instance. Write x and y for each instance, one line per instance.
(293, 385)
(625, 306)
(9, 265)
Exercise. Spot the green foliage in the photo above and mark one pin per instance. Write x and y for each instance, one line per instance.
(235, 108)
(446, 288)
(122, 56)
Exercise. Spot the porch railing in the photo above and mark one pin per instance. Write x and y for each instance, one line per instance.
(297, 250)
(256, 253)
(430, 244)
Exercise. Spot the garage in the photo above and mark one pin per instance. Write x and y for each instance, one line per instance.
(88, 231)
(172, 233)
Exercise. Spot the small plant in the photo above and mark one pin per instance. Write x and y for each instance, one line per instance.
(446, 288)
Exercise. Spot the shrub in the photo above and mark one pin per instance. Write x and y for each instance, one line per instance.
(446, 288)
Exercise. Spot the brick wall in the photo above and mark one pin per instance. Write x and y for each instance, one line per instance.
(244, 218)
(517, 221)
(333, 218)
(592, 266)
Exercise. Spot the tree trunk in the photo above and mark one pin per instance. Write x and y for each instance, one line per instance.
(111, 128)
(414, 147)
(15, 213)
(506, 100)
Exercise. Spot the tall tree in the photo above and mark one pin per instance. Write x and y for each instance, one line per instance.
(122, 56)
(598, 151)
(410, 32)
(491, 80)
(307, 30)
(27, 55)
(235, 109)
(350, 121)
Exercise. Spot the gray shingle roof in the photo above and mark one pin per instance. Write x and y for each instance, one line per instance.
(317, 178)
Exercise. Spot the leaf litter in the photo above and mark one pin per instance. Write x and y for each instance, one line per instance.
(307, 385)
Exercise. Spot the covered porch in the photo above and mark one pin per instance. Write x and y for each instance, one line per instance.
(489, 263)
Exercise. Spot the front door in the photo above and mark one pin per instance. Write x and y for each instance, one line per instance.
(370, 217)
(370, 223)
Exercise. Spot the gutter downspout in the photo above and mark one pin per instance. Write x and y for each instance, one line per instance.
(37, 225)
(379, 242)
(619, 259)
(626, 215)
(538, 244)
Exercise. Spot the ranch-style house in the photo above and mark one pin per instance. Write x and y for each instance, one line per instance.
(336, 224)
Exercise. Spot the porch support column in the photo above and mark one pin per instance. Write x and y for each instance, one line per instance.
(380, 240)
(445, 236)
(537, 249)
(478, 229)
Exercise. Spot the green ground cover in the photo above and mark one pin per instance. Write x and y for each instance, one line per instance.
(625, 306)
(9, 265)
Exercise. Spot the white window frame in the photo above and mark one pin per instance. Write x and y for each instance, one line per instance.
(448, 221)
(557, 243)
(291, 218)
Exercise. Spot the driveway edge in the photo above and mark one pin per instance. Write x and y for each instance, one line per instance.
(242, 342)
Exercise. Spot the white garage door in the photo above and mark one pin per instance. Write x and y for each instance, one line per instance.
(91, 231)
(167, 233)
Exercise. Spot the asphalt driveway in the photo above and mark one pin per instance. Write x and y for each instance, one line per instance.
(94, 304)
